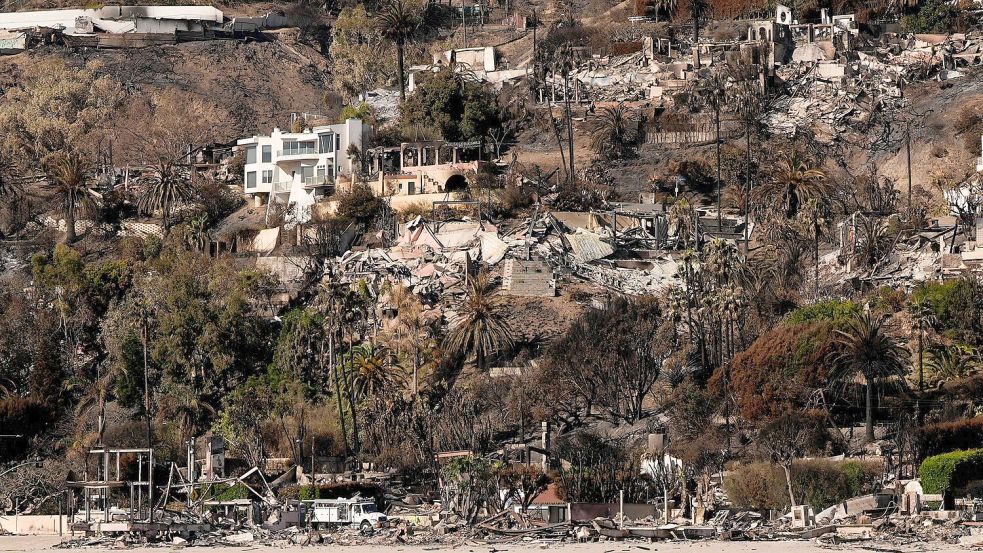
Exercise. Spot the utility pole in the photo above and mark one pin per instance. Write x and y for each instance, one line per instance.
(146, 412)
(566, 100)
(908, 149)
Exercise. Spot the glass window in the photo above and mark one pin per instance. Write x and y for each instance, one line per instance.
(267, 177)
(267, 154)
(251, 179)
(320, 173)
(251, 154)
(295, 148)
(307, 174)
(327, 143)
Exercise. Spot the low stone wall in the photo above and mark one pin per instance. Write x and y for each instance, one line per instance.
(50, 525)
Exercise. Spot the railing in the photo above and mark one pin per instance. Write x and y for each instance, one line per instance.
(297, 152)
(282, 186)
(318, 181)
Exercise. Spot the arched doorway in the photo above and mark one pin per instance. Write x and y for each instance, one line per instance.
(455, 183)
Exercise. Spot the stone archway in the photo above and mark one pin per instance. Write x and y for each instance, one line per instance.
(455, 183)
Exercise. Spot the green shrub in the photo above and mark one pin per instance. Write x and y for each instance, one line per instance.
(940, 437)
(958, 306)
(834, 311)
(950, 471)
(933, 16)
(230, 493)
(816, 482)
(361, 111)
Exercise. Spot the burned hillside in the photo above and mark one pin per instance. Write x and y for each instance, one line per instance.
(439, 274)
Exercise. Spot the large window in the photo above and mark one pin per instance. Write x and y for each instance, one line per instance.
(267, 154)
(327, 142)
(251, 179)
(251, 154)
(307, 174)
(267, 177)
(299, 147)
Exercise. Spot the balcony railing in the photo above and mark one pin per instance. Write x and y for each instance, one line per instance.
(297, 152)
(282, 186)
(318, 181)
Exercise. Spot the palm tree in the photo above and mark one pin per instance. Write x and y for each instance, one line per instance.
(923, 318)
(952, 361)
(399, 22)
(866, 351)
(794, 183)
(186, 407)
(71, 185)
(167, 190)
(699, 10)
(196, 235)
(480, 328)
(668, 5)
(616, 133)
(710, 93)
(683, 215)
(373, 371)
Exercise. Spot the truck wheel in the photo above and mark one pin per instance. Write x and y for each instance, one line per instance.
(366, 527)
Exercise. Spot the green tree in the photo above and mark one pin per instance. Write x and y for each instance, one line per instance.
(868, 352)
(451, 106)
(794, 183)
(933, 16)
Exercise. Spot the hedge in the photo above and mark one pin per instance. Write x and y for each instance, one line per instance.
(950, 471)
(937, 438)
(834, 311)
(816, 482)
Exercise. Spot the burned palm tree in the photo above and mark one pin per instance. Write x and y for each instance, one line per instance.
(480, 328)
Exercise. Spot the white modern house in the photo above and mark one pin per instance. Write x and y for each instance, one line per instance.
(299, 168)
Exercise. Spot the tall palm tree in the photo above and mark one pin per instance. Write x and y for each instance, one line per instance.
(399, 22)
(923, 319)
(68, 176)
(710, 93)
(868, 352)
(167, 190)
(480, 328)
(616, 133)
